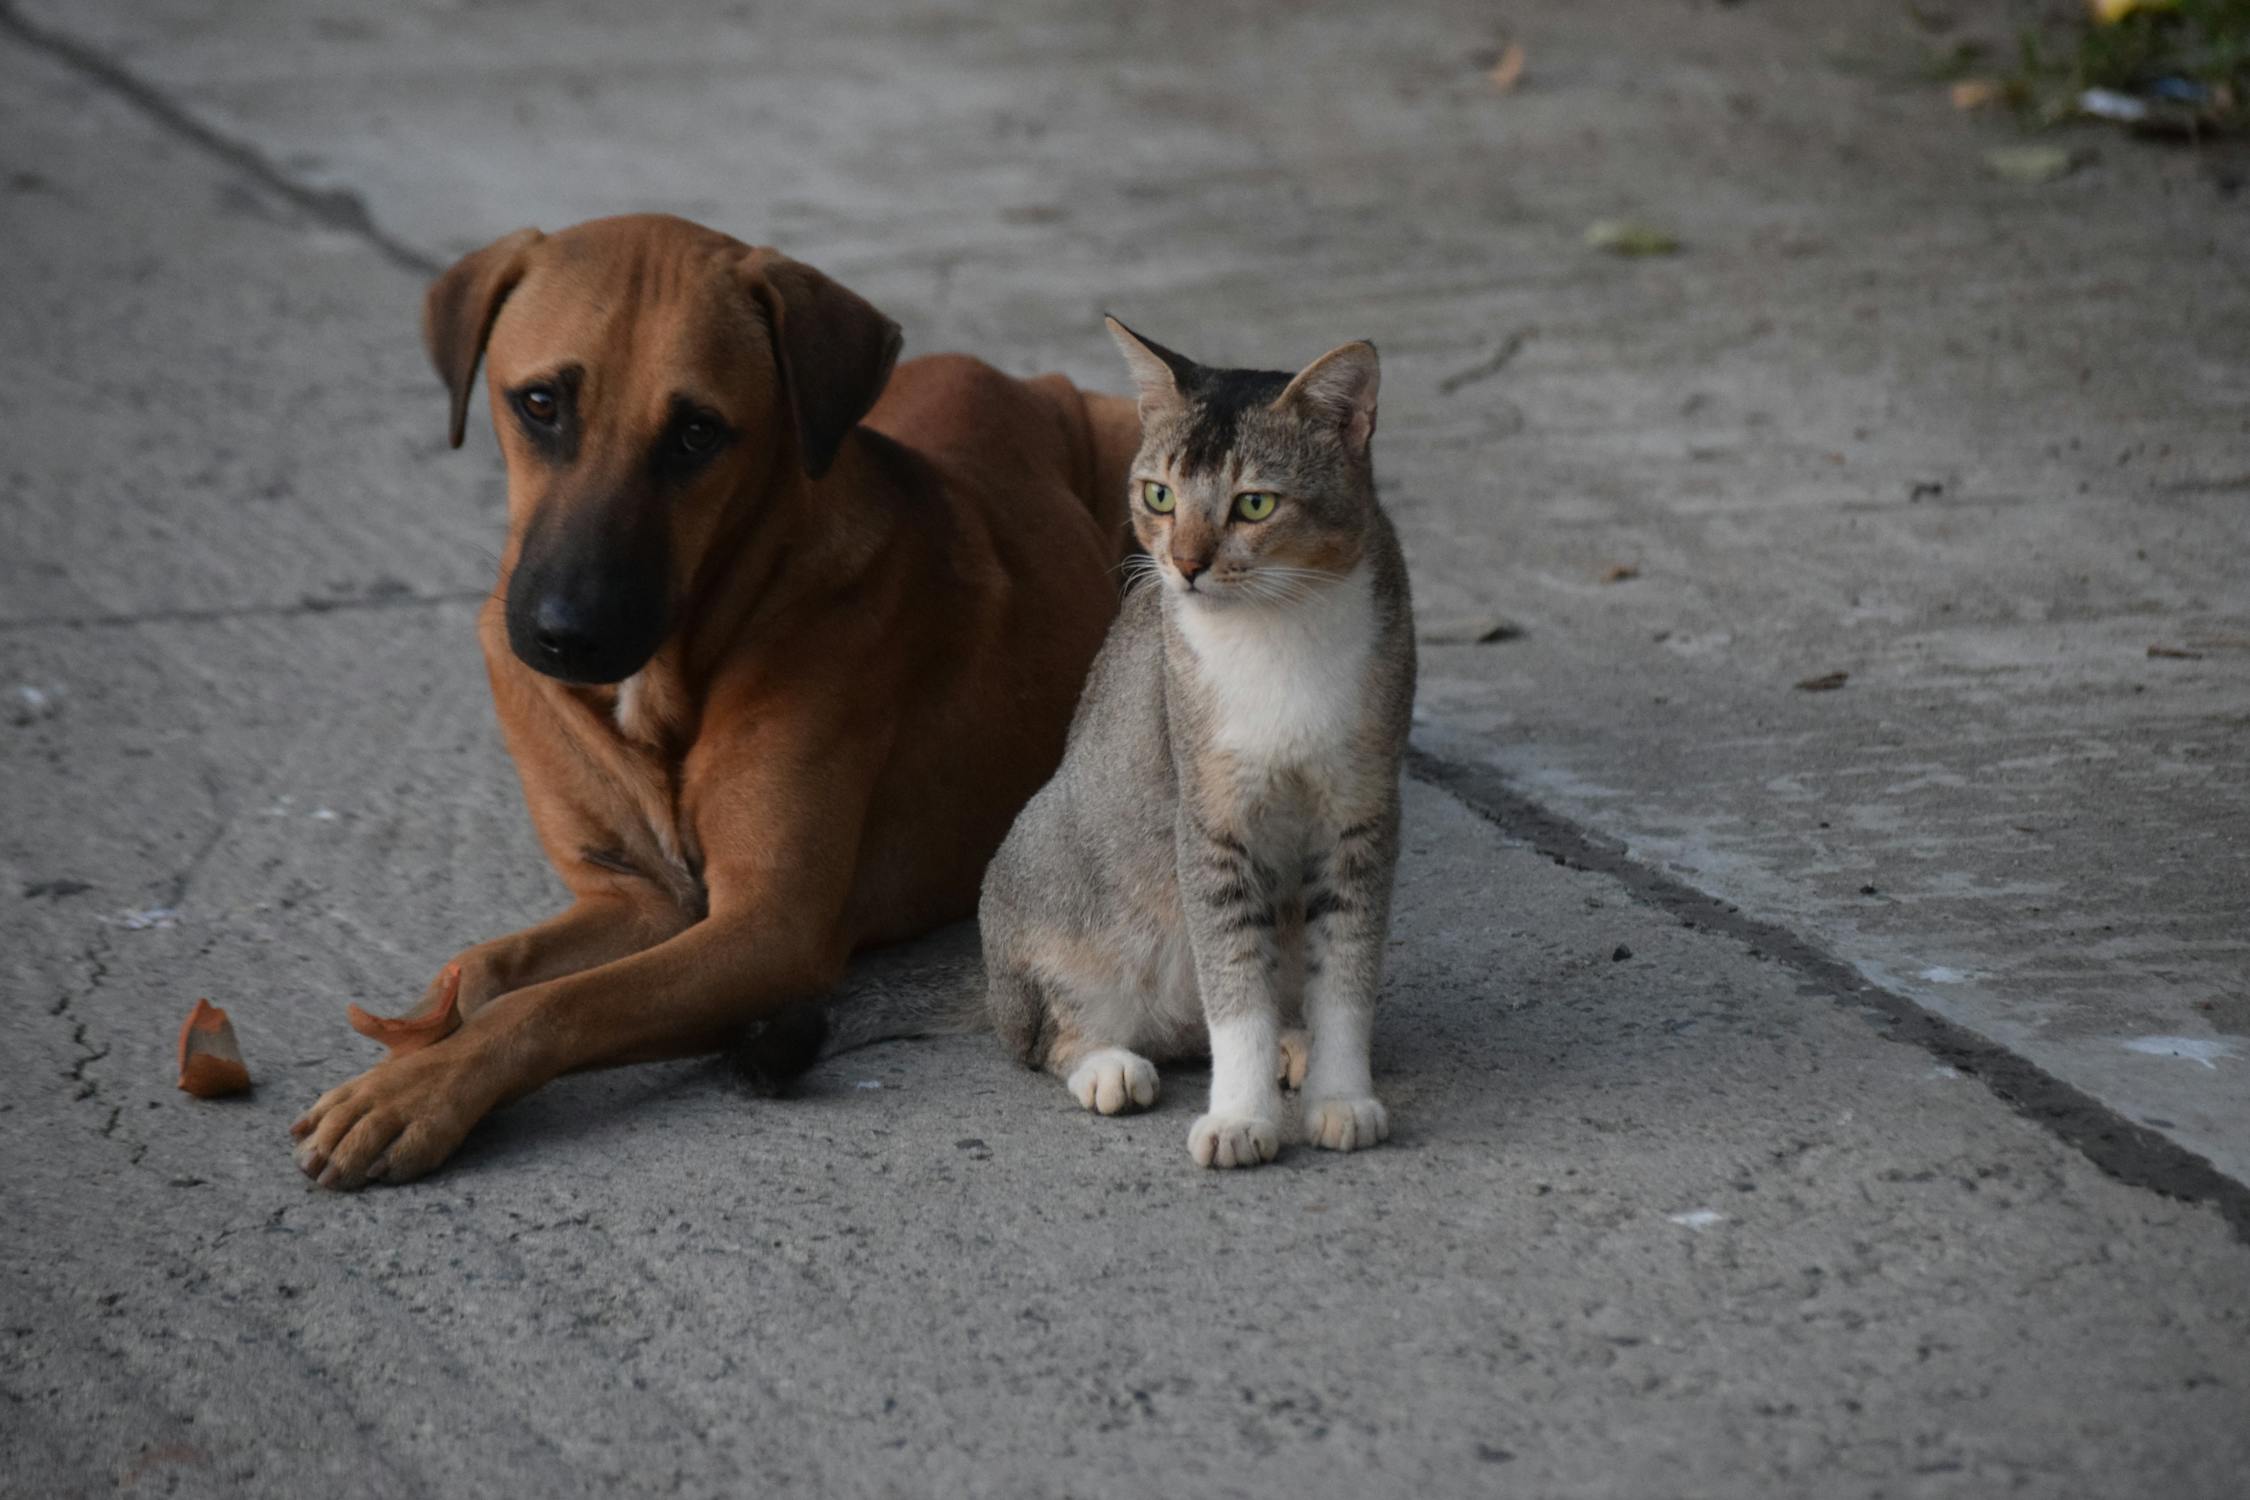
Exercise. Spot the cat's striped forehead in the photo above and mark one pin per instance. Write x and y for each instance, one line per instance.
(1216, 413)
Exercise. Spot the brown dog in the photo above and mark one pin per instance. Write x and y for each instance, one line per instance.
(778, 660)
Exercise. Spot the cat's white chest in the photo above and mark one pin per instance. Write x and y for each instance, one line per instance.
(1287, 685)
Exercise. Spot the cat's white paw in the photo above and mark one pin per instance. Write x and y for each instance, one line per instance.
(1346, 1124)
(1112, 1081)
(1296, 1056)
(1233, 1141)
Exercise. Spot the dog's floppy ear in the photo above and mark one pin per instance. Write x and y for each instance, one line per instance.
(835, 351)
(458, 310)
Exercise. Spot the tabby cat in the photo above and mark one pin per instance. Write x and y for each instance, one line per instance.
(1211, 867)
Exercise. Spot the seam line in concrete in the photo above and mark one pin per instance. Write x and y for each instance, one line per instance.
(334, 208)
(2126, 1150)
(190, 615)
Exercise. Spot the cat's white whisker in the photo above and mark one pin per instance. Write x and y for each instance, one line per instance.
(1277, 589)
(1138, 568)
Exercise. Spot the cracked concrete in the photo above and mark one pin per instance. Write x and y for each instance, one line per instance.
(2128, 1151)
(1756, 1209)
(337, 208)
(1948, 437)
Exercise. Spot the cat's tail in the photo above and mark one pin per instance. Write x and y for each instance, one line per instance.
(932, 986)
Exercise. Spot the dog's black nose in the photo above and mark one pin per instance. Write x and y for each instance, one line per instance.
(563, 633)
(597, 623)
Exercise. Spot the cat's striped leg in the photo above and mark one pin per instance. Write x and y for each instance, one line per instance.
(1231, 919)
(1347, 918)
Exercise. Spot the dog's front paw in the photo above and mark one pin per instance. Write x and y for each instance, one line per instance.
(1113, 1080)
(392, 1123)
(1346, 1124)
(1233, 1141)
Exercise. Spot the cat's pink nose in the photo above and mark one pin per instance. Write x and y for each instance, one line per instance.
(1189, 567)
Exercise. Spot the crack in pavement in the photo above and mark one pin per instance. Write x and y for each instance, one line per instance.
(89, 1054)
(1490, 366)
(85, 1087)
(2128, 1151)
(333, 208)
(2124, 1149)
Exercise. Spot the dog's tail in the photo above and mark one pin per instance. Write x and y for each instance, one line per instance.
(932, 986)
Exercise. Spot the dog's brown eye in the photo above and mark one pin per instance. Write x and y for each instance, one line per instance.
(538, 404)
(699, 436)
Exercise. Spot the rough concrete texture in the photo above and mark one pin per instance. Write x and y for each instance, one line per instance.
(1977, 444)
(1684, 1222)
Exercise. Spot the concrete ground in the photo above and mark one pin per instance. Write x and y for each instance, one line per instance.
(1902, 1155)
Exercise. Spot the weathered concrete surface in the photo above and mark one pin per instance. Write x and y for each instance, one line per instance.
(956, 1283)
(239, 579)
(1977, 444)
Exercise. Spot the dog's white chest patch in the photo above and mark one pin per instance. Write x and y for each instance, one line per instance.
(1287, 682)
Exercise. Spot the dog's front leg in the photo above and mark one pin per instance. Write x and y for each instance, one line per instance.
(687, 996)
(611, 920)
(776, 934)
(600, 927)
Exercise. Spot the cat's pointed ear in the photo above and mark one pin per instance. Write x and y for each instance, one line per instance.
(1157, 371)
(1340, 387)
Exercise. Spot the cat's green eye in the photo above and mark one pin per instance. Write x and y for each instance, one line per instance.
(1256, 505)
(1156, 497)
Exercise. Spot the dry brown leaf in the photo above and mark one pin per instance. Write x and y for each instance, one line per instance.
(1976, 93)
(1508, 71)
(211, 1064)
(404, 1034)
(1827, 682)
